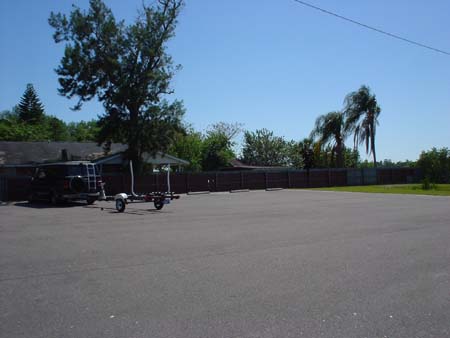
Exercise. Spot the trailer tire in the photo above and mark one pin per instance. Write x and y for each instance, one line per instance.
(120, 205)
(158, 204)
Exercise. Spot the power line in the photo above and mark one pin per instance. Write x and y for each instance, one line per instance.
(372, 28)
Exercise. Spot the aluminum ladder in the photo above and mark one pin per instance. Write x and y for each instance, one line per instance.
(91, 177)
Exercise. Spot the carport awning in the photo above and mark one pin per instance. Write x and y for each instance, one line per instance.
(158, 159)
(161, 159)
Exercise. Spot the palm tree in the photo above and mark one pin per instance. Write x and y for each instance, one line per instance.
(361, 113)
(307, 153)
(329, 130)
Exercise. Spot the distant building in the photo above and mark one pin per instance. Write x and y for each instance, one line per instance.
(20, 158)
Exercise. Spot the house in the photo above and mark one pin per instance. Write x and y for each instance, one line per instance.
(115, 162)
(20, 158)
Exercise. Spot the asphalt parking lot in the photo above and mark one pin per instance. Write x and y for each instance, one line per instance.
(254, 264)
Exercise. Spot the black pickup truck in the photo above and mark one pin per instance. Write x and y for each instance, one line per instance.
(66, 181)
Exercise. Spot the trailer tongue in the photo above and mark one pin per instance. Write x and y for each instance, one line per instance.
(159, 199)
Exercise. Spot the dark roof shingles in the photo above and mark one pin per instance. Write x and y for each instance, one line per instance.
(12, 153)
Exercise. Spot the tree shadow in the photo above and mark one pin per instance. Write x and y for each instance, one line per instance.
(138, 212)
(46, 205)
(73, 204)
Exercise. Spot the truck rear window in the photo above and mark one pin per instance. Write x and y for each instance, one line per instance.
(79, 170)
(76, 170)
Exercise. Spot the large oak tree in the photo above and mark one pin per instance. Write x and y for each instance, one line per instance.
(126, 67)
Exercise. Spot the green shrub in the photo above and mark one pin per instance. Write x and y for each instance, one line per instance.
(435, 165)
(427, 184)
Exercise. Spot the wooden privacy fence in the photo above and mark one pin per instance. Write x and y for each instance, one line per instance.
(15, 188)
(255, 179)
(3, 188)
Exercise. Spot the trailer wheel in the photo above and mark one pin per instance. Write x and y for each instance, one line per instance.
(120, 205)
(159, 204)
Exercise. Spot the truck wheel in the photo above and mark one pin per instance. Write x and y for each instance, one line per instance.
(91, 200)
(77, 184)
(159, 205)
(120, 205)
(53, 199)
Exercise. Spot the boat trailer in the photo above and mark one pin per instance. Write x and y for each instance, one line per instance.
(159, 199)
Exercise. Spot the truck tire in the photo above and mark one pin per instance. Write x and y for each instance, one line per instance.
(53, 198)
(77, 184)
(31, 198)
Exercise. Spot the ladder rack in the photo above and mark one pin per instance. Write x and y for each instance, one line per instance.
(91, 177)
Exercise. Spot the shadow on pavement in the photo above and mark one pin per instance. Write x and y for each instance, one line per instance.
(45, 205)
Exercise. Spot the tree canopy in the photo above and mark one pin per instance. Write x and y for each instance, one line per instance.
(49, 128)
(126, 67)
(435, 165)
(329, 130)
(362, 112)
(263, 148)
(188, 145)
(217, 151)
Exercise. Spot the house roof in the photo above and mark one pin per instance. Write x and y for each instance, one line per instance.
(19, 153)
(29, 153)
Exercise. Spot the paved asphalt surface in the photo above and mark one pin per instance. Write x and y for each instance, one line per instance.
(253, 264)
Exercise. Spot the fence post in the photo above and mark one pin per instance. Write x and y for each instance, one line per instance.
(242, 180)
(216, 182)
(4, 189)
(266, 179)
(289, 179)
(362, 176)
(329, 177)
(186, 182)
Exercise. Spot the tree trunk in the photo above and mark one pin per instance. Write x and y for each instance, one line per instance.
(372, 141)
(133, 151)
(339, 155)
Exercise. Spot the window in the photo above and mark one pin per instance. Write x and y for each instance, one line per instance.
(76, 170)
(41, 174)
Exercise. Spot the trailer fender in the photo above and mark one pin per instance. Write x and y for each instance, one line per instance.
(121, 196)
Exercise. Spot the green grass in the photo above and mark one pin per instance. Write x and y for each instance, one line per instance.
(412, 189)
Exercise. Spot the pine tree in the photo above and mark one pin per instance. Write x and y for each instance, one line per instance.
(30, 107)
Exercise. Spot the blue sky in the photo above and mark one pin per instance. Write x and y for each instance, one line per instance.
(268, 64)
